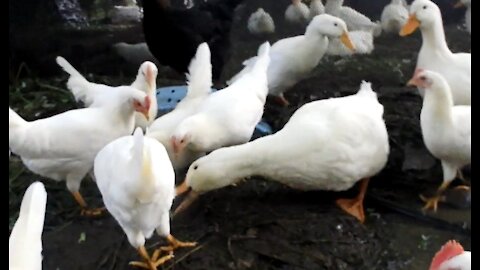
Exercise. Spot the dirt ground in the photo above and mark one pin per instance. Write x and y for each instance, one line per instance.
(260, 224)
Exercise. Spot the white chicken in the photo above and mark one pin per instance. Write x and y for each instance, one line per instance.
(328, 144)
(25, 243)
(94, 95)
(260, 22)
(435, 55)
(297, 13)
(394, 16)
(137, 182)
(229, 116)
(452, 256)
(292, 59)
(446, 129)
(64, 146)
(354, 19)
(199, 81)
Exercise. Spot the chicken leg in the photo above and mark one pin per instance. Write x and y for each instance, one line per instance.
(432, 202)
(174, 244)
(355, 206)
(85, 210)
(150, 263)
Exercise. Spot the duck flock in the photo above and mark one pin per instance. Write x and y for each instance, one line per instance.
(328, 144)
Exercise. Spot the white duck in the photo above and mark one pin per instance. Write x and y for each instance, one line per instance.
(354, 19)
(468, 13)
(94, 95)
(452, 256)
(25, 243)
(199, 82)
(292, 59)
(297, 12)
(63, 147)
(328, 144)
(316, 8)
(435, 55)
(361, 40)
(394, 16)
(446, 129)
(227, 117)
(260, 22)
(137, 182)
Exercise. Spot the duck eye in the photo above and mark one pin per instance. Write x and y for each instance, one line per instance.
(335, 24)
(182, 141)
(195, 167)
(423, 78)
(424, 7)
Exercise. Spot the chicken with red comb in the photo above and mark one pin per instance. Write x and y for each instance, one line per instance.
(451, 256)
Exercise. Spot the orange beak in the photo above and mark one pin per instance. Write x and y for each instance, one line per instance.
(191, 197)
(412, 24)
(345, 39)
(459, 4)
(182, 188)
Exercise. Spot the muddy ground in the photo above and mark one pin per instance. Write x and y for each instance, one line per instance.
(259, 224)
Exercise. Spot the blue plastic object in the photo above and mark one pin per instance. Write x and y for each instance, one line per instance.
(168, 98)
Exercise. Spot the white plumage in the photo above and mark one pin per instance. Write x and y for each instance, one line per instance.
(25, 242)
(63, 147)
(292, 59)
(328, 144)
(362, 40)
(394, 16)
(95, 95)
(452, 256)
(459, 262)
(446, 129)
(297, 13)
(260, 22)
(354, 19)
(316, 8)
(229, 116)
(137, 182)
(435, 55)
(199, 88)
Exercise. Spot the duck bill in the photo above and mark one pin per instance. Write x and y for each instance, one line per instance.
(191, 197)
(182, 188)
(345, 39)
(459, 4)
(412, 24)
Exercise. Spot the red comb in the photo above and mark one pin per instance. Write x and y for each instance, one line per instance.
(451, 249)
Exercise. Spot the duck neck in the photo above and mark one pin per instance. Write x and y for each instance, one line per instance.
(247, 159)
(433, 38)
